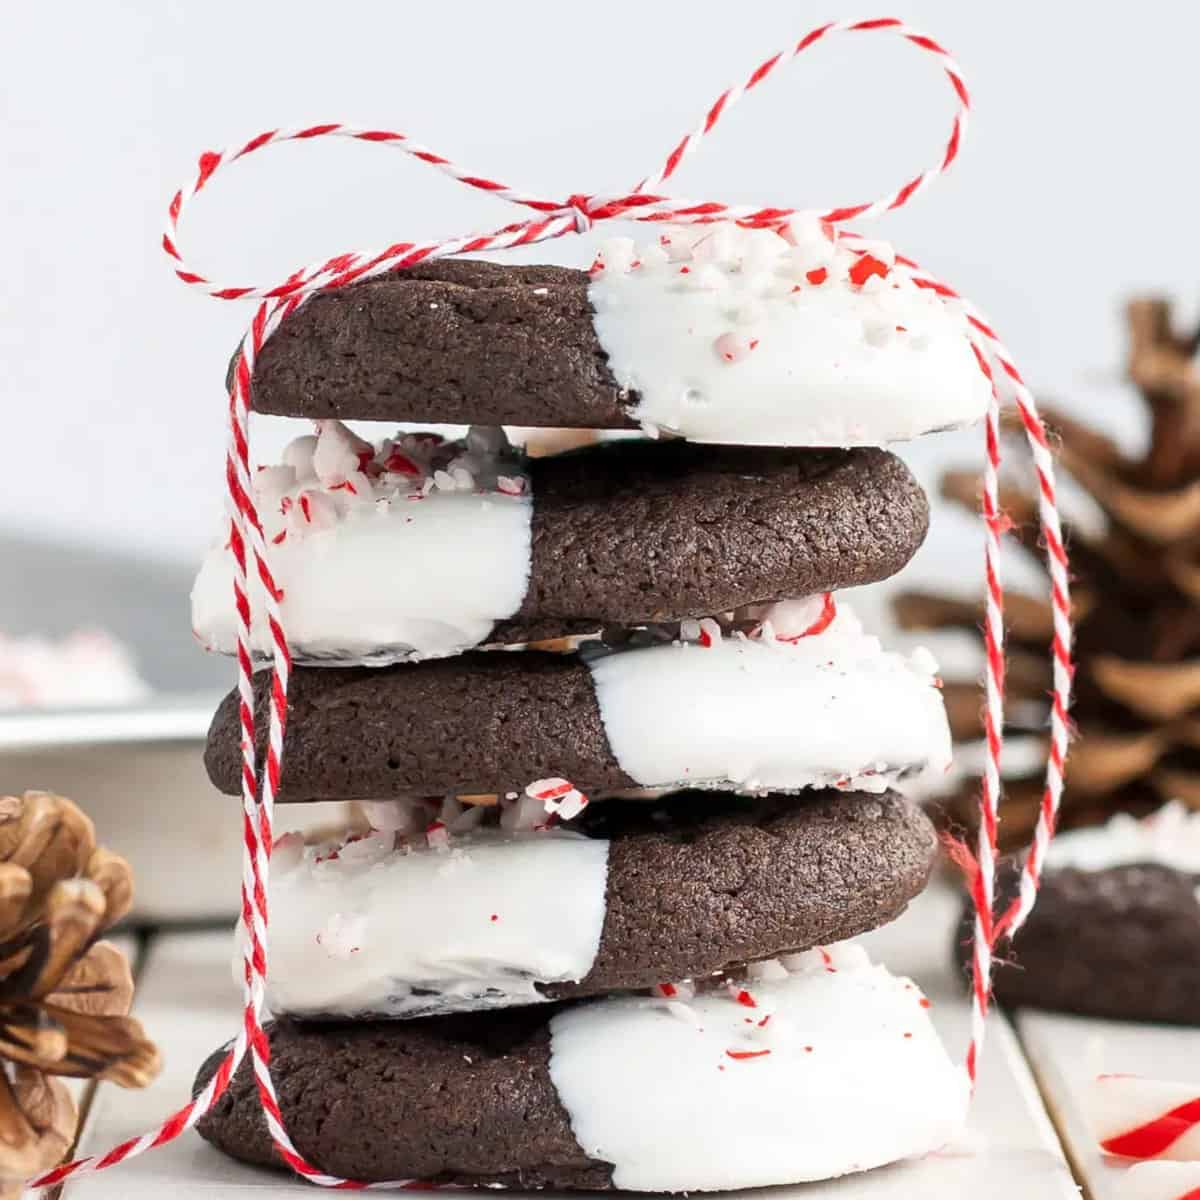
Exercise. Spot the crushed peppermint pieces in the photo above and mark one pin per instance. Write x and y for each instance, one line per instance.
(437, 835)
(786, 622)
(783, 617)
(766, 970)
(682, 990)
(399, 463)
(683, 1012)
(287, 852)
(524, 814)
(800, 263)
(733, 347)
(560, 797)
(342, 935)
(867, 266)
(323, 478)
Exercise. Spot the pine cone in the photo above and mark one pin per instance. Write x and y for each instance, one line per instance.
(64, 995)
(1137, 605)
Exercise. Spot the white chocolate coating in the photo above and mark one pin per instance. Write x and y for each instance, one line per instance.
(382, 932)
(1170, 836)
(855, 1078)
(830, 710)
(380, 565)
(726, 339)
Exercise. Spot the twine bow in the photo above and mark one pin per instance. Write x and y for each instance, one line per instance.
(553, 218)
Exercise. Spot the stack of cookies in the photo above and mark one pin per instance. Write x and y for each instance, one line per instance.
(624, 755)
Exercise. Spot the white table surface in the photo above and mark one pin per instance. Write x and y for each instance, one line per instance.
(188, 1003)
(1067, 1053)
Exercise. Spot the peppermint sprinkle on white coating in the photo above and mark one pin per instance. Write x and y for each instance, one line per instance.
(794, 337)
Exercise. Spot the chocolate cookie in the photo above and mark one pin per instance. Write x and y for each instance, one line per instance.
(458, 341)
(704, 881)
(730, 712)
(825, 1065)
(653, 531)
(1121, 943)
(654, 891)
(730, 336)
(474, 724)
(614, 535)
(464, 1100)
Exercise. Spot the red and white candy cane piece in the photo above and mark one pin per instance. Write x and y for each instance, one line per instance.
(437, 836)
(788, 614)
(559, 797)
(740, 994)
(683, 989)
(553, 218)
(1135, 1117)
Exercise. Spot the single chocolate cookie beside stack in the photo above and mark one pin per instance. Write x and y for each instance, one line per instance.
(1116, 931)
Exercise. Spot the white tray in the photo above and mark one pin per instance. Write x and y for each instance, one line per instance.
(136, 771)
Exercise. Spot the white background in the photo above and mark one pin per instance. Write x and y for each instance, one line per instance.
(1076, 185)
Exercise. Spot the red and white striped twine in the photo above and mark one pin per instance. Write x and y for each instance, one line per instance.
(553, 218)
